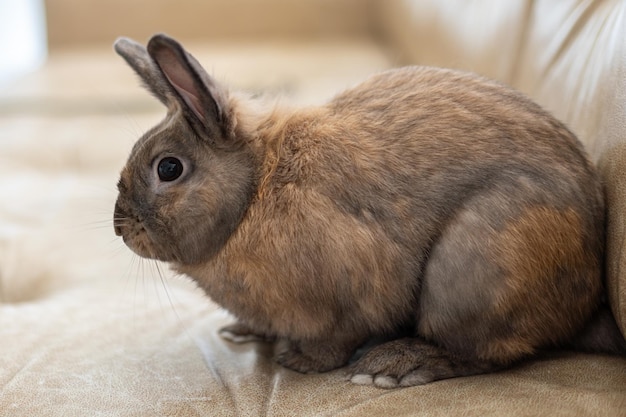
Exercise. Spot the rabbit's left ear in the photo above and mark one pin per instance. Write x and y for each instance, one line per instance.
(137, 57)
(200, 95)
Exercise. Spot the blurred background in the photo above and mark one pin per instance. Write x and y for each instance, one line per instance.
(76, 22)
(33, 30)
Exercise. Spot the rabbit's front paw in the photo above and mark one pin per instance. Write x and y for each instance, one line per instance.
(242, 333)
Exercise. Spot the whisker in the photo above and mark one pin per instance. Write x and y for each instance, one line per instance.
(101, 224)
(163, 284)
(98, 222)
(134, 265)
(98, 227)
(169, 296)
(118, 249)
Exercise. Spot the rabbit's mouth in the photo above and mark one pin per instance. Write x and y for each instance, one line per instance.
(134, 234)
(138, 239)
(140, 244)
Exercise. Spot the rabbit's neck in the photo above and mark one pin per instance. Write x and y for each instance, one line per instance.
(249, 278)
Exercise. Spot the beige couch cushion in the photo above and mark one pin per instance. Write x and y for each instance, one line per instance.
(102, 348)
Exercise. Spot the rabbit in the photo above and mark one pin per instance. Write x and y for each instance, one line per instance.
(439, 212)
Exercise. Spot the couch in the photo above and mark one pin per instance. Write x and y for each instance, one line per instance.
(88, 329)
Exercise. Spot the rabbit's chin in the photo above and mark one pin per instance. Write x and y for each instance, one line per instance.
(142, 245)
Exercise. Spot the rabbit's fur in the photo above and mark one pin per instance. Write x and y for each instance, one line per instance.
(427, 203)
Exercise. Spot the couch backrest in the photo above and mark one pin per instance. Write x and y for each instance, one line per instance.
(570, 56)
(73, 23)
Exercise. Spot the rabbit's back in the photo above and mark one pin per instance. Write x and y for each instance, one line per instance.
(409, 146)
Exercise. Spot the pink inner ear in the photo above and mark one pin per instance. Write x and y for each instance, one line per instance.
(182, 81)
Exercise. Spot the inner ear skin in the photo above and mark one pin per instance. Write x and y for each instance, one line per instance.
(179, 78)
(185, 76)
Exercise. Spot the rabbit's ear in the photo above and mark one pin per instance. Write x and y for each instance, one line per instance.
(197, 91)
(137, 57)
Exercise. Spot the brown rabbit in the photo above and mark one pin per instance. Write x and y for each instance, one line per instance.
(432, 208)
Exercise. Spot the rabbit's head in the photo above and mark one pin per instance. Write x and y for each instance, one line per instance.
(188, 180)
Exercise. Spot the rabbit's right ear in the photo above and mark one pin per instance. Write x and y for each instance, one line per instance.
(138, 58)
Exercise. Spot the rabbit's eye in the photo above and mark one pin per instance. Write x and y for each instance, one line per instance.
(169, 168)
